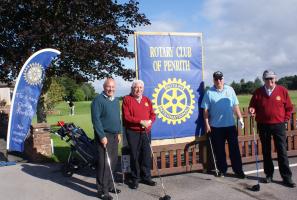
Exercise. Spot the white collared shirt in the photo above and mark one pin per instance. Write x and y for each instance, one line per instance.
(269, 91)
(110, 98)
(138, 99)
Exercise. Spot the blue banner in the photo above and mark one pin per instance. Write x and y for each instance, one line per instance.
(170, 64)
(25, 97)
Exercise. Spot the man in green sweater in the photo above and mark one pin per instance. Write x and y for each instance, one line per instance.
(105, 111)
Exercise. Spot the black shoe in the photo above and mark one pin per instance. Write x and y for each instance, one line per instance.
(289, 183)
(149, 182)
(115, 190)
(221, 174)
(268, 179)
(240, 175)
(105, 197)
(134, 185)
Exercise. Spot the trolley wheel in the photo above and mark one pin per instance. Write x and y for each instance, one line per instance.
(67, 170)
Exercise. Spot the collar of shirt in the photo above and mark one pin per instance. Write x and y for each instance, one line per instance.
(269, 91)
(138, 99)
(110, 98)
(219, 90)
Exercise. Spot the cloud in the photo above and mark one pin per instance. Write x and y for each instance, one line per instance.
(241, 38)
(247, 37)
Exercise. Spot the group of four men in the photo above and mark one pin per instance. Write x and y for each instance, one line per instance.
(270, 104)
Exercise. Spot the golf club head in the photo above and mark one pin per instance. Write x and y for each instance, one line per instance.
(255, 188)
(166, 197)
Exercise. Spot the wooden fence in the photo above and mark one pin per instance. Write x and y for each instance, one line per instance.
(195, 156)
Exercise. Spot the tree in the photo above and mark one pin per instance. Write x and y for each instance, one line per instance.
(70, 87)
(54, 95)
(79, 95)
(89, 91)
(258, 83)
(236, 87)
(91, 34)
(289, 82)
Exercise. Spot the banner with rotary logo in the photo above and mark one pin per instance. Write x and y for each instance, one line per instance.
(171, 66)
(25, 97)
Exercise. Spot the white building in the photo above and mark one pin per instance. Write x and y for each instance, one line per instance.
(6, 92)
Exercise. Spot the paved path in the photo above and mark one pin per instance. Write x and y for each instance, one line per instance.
(26, 181)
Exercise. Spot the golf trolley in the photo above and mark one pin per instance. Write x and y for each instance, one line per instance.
(82, 148)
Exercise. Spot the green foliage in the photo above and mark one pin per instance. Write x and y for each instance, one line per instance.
(55, 94)
(91, 35)
(246, 87)
(290, 82)
(75, 91)
(70, 87)
(79, 95)
(89, 91)
(258, 83)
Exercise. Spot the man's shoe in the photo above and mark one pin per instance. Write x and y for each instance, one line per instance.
(240, 175)
(221, 174)
(115, 190)
(134, 185)
(289, 183)
(105, 197)
(149, 182)
(268, 179)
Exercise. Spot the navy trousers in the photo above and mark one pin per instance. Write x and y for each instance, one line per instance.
(219, 136)
(103, 176)
(279, 137)
(140, 156)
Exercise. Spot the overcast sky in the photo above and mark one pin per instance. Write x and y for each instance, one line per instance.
(241, 38)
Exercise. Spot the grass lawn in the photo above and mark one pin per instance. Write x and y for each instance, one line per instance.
(82, 118)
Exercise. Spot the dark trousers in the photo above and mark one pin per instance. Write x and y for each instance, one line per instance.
(279, 137)
(103, 176)
(140, 156)
(219, 136)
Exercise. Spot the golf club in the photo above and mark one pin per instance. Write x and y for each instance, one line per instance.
(166, 196)
(213, 156)
(109, 165)
(256, 187)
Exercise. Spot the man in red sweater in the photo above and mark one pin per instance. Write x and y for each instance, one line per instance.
(138, 116)
(272, 107)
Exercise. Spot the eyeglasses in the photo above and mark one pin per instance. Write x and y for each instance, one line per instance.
(216, 79)
(269, 79)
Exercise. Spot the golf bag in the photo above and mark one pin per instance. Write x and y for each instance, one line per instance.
(82, 148)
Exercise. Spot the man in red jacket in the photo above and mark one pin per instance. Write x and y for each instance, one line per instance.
(138, 116)
(272, 107)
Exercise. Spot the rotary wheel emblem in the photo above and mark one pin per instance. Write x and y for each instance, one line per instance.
(173, 101)
(33, 74)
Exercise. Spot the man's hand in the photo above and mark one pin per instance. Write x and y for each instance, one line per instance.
(104, 141)
(207, 129)
(252, 111)
(241, 123)
(146, 123)
(119, 138)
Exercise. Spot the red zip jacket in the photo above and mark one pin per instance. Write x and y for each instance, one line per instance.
(134, 112)
(272, 109)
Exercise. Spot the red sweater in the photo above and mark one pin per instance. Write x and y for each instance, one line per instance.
(272, 109)
(134, 112)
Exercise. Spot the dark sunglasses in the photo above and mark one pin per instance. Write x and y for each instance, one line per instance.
(268, 79)
(216, 79)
